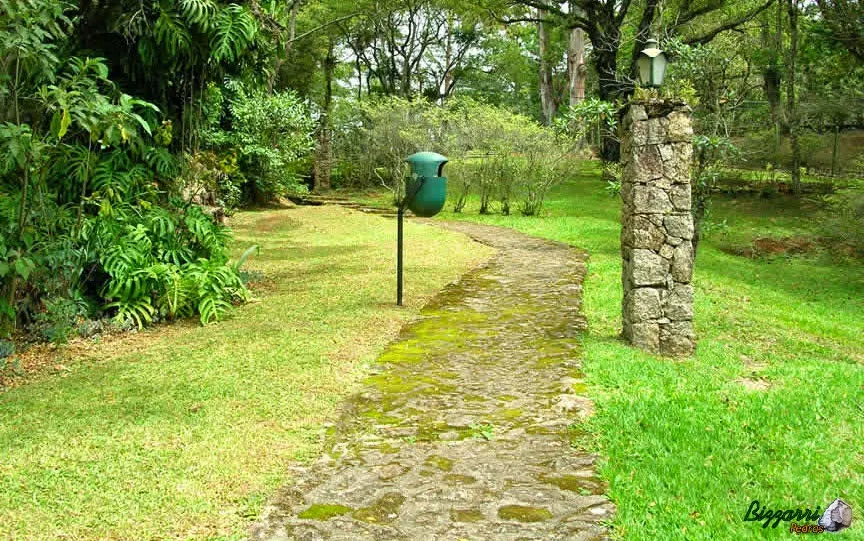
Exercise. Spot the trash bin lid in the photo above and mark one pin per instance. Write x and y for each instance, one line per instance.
(427, 163)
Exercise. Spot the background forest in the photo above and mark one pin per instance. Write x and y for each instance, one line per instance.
(128, 131)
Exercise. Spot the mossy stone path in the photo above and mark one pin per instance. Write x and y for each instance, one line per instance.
(469, 429)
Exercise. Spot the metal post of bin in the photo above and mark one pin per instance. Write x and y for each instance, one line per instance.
(399, 218)
(425, 166)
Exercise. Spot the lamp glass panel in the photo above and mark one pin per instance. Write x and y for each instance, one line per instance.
(659, 68)
(644, 64)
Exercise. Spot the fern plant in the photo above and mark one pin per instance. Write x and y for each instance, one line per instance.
(216, 285)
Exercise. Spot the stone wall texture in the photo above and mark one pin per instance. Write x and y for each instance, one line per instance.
(657, 227)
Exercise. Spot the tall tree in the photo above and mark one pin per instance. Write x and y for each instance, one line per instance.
(576, 69)
(547, 90)
(605, 21)
(792, 106)
(845, 18)
(324, 138)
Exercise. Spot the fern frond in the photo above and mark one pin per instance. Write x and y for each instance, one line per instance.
(240, 262)
(234, 31)
(140, 311)
(171, 33)
(198, 12)
(162, 161)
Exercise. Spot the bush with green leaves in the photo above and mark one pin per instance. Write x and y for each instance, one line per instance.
(169, 265)
(843, 219)
(485, 144)
(590, 120)
(373, 138)
(89, 223)
(269, 135)
(710, 155)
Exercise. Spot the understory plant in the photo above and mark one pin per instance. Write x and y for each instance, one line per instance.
(91, 222)
(843, 218)
(499, 156)
(710, 154)
(262, 141)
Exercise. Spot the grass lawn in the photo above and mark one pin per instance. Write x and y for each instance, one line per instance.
(771, 408)
(183, 431)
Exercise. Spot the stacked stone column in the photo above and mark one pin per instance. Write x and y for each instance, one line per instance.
(657, 227)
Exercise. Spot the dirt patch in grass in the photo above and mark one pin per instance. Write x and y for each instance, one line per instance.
(772, 247)
(38, 361)
(752, 384)
(270, 222)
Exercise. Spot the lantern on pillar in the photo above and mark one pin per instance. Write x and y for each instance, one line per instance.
(652, 65)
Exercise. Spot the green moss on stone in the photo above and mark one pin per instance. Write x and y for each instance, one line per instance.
(541, 430)
(564, 482)
(580, 388)
(324, 511)
(547, 362)
(523, 513)
(509, 413)
(466, 515)
(391, 384)
(387, 448)
(457, 479)
(439, 462)
(383, 511)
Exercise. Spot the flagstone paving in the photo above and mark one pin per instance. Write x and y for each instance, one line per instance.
(470, 426)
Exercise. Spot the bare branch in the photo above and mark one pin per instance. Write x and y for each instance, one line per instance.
(707, 37)
(323, 26)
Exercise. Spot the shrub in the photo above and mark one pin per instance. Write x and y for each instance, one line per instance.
(167, 266)
(269, 139)
(462, 174)
(483, 142)
(212, 179)
(613, 173)
(843, 220)
(538, 173)
(61, 318)
(709, 156)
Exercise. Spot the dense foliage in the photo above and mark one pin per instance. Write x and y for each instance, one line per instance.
(266, 138)
(92, 223)
(501, 156)
(143, 126)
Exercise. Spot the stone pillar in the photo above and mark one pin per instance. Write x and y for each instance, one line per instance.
(657, 227)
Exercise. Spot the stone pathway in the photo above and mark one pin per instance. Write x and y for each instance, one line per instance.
(469, 429)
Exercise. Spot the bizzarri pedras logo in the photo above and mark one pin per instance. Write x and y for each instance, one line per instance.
(836, 517)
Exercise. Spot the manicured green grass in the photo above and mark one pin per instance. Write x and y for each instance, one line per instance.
(687, 445)
(184, 431)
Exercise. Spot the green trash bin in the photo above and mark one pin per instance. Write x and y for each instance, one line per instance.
(426, 189)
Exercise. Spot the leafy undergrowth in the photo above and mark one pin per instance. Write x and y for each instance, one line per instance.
(771, 408)
(183, 431)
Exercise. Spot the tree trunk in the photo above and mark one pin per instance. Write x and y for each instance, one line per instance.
(576, 65)
(324, 150)
(547, 94)
(447, 83)
(605, 57)
(280, 60)
(772, 80)
(791, 99)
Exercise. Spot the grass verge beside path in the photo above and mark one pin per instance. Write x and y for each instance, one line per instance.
(771, 408)
(183, 431)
